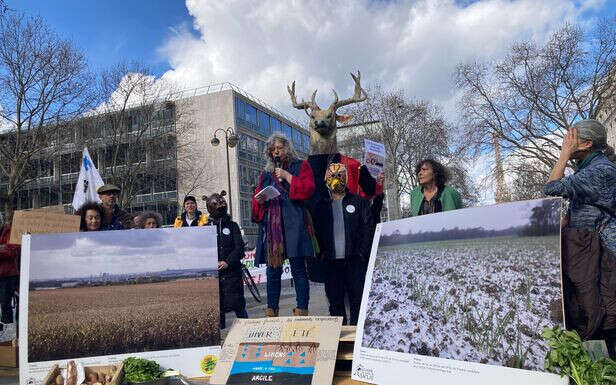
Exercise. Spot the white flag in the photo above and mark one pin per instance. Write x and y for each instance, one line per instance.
(87, 184)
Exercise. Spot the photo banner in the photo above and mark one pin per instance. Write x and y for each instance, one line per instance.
(461, 297)
(98, 297)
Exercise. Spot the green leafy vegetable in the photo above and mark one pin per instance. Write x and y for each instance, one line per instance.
(140, 370)
(567, 357)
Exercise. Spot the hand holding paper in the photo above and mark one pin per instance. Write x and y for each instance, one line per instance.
(268, 193)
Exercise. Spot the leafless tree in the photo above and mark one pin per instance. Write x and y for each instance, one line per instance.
(411, 130)
(146, 137)
(529, 99)
(44, 82)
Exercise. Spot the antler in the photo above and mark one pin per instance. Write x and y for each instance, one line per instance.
(359, 96)
(303, 105)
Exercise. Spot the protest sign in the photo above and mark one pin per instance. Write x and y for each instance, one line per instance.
(461, 297)
(374, 157)
(258, 272)
(41, 221)
(99, 297)
(279, 351)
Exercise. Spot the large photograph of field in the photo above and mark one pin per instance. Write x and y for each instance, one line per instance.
(104, 293)
(474, 285)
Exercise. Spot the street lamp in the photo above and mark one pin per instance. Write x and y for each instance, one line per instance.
(231, 141)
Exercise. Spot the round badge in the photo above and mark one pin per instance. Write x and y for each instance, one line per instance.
(226, 231)
(350, 209)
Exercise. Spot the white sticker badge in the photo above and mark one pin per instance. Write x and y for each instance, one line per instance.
(350, 209)
(226, 231)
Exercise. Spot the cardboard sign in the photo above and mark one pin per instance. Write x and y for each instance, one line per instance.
(279, 351)
(41, 221)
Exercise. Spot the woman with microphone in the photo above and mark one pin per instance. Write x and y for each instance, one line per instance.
(283, 229)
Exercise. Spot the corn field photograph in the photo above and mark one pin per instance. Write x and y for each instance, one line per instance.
(103, 293)
(474, 285)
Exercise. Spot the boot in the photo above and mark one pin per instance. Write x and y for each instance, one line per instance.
(269, 312)
(300, 312)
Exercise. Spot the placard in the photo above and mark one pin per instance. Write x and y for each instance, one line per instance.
(279, 351)
(41, 221)
(461, 297)
(258, 272)
(374, 157)
(99, 297)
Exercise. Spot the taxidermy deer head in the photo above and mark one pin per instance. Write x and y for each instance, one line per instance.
(323, 122)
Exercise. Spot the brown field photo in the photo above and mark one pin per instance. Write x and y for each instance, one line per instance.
(122, 298)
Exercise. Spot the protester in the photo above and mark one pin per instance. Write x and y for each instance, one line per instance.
(589, 239)
(230, 255)
(432, 195)
(114, 218)
(346, 257)
(191, 216)
(284, 230)
(9, 274)
(91, 216)
(149, 220)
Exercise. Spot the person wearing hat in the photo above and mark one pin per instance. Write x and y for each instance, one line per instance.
(114, 217)
(191, 216)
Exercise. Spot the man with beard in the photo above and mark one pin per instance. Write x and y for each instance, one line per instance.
(114, 218)
(348, 231)
(230, 254)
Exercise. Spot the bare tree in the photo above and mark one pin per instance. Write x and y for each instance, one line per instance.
(528, 100)
(411, 131)
(145, 133)
(44, 82)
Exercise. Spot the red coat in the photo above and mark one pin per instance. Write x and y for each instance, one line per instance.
(353, 166)
(9, 254)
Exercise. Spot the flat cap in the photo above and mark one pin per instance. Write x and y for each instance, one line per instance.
(108, 188)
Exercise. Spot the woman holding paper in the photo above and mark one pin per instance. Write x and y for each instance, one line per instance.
(284, 228)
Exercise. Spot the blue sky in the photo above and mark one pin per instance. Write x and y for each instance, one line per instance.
(110, 31)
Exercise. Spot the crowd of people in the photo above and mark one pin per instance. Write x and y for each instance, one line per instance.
(330, 235)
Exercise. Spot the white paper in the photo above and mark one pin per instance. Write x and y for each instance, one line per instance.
(374, 157)
(269, 193)
(418, 294)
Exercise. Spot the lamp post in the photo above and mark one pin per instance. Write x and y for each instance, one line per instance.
(231, 141)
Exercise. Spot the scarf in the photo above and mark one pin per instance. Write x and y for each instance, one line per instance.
(275, 232)
(586, 161)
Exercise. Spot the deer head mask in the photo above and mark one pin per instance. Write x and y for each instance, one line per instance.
(323, 122)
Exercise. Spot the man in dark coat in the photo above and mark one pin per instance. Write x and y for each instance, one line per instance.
(230, 255)
(349, 224)
(114, 217)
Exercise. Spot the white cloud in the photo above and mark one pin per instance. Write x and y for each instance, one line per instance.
(264, 45)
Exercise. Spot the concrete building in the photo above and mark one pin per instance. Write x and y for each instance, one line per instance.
(162, 188)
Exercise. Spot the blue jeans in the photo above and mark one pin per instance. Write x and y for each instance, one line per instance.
(300, 276)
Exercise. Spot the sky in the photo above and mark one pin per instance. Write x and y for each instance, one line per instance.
(263, 45)
(74, 255)
(488, 217)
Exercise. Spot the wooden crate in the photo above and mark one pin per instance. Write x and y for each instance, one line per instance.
(117, 379)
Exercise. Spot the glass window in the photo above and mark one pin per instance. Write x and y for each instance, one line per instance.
(239, 108)
(297, 139)
(276, 125)
(286, 130)
(264, 127)
(250, 113)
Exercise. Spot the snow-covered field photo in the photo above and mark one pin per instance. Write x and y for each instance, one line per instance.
(472, 286)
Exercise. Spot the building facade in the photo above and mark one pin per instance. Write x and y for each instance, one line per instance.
(172, 161)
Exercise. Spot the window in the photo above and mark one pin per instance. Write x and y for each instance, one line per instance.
(70, 163)
(250, 113)
(275, 125)
(264, 127)
(297, 139)
(239, 108)
(246, 212)
(286, 130)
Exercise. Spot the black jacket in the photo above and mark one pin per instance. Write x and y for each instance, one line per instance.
(357, 228)
(230, 250)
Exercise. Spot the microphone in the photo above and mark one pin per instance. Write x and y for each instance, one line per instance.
(277, 165)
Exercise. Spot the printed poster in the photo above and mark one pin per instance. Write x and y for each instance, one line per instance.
(99, 297)
(374, 157)
(258, 271)
(461, 297)
(279, 351)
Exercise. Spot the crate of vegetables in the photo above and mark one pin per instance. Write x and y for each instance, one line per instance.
(76, 374)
